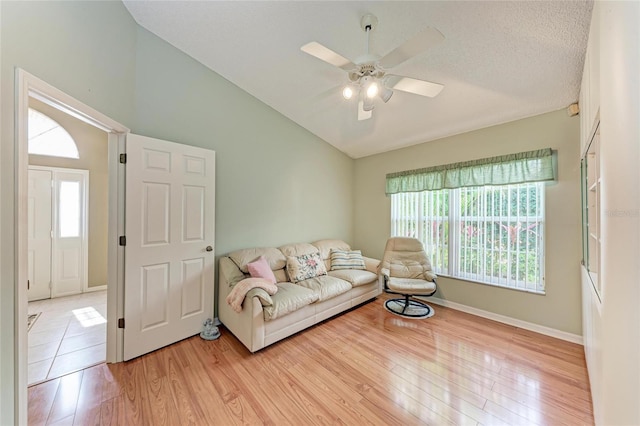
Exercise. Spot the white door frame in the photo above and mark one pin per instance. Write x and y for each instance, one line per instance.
(27, 85)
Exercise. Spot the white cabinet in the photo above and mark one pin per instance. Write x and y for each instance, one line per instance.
(590, 88)
(593, 292)
(591, 208)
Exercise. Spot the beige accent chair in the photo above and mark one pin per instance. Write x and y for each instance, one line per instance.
(405, 270)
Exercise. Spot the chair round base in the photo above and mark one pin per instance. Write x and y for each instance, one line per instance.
(410, 308)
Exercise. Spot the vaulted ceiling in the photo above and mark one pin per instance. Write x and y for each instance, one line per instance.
(500, 60)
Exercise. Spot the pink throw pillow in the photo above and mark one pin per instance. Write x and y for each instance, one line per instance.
(260, 269)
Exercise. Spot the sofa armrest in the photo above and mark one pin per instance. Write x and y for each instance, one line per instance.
(229, 273)
(248, 324)
(371, 264)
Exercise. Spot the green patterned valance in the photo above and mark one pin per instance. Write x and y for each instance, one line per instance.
(531, 166)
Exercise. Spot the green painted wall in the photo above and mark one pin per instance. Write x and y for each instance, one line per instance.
(560, 308)
(84, 49)
(276, 183)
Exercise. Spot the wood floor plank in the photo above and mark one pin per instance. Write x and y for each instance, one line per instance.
(90, 396)
(191, 414)
(366, 366)
(112, 411)
(40, 399)
(66, 400)
(136, 401)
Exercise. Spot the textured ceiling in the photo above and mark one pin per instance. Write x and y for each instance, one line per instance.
(500, 61)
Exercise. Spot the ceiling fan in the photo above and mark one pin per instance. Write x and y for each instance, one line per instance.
(368, 75)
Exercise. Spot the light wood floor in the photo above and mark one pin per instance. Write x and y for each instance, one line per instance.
(366, 366)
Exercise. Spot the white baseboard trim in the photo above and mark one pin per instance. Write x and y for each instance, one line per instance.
(95, 288)
(547, 331)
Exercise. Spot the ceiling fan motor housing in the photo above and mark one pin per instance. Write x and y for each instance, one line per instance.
(368, 22)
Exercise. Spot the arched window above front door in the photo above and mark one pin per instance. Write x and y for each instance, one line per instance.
(47, 137)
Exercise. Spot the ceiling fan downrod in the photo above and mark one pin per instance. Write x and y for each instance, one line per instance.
(368, 24)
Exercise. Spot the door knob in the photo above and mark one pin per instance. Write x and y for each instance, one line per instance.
(209, 248)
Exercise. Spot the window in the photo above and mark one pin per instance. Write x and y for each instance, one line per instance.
(489, 234)
(46, 137)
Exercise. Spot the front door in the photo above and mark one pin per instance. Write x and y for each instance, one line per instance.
(169, 257)
(40, 234)
(70, 242)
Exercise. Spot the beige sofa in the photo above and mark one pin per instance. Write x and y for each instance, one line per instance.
(267, 319)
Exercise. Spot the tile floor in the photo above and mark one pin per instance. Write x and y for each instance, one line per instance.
(69, 335)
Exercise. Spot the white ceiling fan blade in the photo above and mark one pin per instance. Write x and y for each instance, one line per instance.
(422, 41)
(325, 54)
(362, 114)
(413, 85)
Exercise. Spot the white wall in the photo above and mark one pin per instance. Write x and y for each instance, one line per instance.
(616, 372)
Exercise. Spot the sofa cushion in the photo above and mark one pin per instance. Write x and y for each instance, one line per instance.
(274, 257)
(261, 269)
(326, 287)
(281, 275)
(298, 249)
(346, 259)
(355, 277)
(305, 266)
(325, 247)
(289, 298)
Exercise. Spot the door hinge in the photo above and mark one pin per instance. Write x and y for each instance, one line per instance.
(123, 158)
(122, 240)
(28, 285)
(120, 322)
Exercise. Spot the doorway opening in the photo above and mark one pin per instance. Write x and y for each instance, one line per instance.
(67, 243)
(30, 90)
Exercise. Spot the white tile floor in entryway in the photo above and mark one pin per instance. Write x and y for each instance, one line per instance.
(69, 335)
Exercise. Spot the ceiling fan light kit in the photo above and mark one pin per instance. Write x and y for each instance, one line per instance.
(368, 75)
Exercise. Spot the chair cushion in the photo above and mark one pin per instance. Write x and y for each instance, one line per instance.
(411, 286)
(289, 298)
(354, 276)
(326, 287)
(408, 265)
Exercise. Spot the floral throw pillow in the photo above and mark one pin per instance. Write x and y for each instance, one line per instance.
(305, 266)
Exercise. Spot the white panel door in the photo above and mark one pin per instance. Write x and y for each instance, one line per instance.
(39, 231)
(169, 257)
(70, 248)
